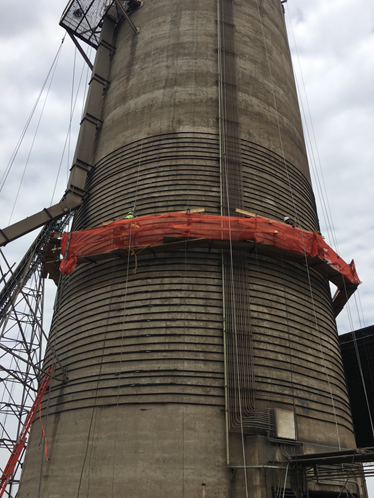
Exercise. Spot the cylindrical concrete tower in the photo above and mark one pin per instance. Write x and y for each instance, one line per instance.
(192, 373)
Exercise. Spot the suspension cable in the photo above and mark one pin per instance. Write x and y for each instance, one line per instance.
(20, 140)
(314, 157)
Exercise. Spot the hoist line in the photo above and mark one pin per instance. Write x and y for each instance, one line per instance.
(305, 255)
(360, 310)
(183, 380)
(93, 418)
(321, 185)
(52, 345)
(294, 205)
(68, 134)
(139, 164)
(44, 443)
(227, 155)
(234, 320)
(359, 364)
(276, 112)
(62, 285)
(289, 340)
(321, 349)
(54, 69)
(221, 159)
(72, 107)
(20, 140)
(316, 164)
(357, 352)
(326, 207)
(358, 358)
(59, 296)
(33, 140)
(329, 221)
(53, 358)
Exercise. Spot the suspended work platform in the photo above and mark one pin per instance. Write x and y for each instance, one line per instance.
(176, 231)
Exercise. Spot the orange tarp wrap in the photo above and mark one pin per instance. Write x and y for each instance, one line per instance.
(148, 231)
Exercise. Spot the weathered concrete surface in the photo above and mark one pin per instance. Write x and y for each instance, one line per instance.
(139, 450)
(142, 413)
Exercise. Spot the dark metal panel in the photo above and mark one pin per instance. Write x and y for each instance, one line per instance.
(358, 359)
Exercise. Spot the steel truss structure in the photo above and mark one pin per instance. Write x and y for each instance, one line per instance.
(22, 344)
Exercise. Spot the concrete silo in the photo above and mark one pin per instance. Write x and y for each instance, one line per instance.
(192, 372)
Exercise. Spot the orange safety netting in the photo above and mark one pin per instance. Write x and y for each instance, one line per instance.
(148, 231)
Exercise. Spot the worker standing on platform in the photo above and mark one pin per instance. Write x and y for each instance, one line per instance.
(133, 4)
(288, 221)
(133, 241)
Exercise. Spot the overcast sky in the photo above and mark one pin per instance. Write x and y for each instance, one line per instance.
(335, 52)
(334, 49)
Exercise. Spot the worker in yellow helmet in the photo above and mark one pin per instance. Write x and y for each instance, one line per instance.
(289, 221)
(133, 233)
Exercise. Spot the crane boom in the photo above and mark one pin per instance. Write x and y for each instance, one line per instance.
(71, 200)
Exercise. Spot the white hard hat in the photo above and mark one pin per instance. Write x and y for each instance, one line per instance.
(286, 218)
(130, 212)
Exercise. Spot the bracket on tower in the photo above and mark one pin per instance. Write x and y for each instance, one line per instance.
(80, 49)
(123, 11)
